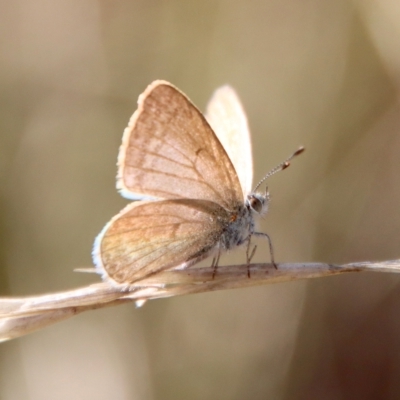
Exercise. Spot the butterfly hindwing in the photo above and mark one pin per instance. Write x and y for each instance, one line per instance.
(148, 237)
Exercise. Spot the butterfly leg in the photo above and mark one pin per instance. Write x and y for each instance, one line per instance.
(249, 257)
(271, 249)
(214, 264)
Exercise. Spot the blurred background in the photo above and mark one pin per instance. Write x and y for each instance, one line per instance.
(323, 74)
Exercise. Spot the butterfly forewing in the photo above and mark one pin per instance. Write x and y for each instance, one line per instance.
(148, 237)
(228, 120)
(169, 151)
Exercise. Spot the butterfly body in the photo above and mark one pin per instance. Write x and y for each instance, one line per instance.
(238, 229)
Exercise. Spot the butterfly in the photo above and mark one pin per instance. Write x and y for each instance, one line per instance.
(190, 176)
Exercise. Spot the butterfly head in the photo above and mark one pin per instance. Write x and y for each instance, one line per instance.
(258, 202)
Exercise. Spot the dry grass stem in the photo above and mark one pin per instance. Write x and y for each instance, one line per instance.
(22, 315)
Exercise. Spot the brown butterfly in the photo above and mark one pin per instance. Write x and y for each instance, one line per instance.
(192, 177)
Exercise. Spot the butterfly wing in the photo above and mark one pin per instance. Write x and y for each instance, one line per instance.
(170, 151)
(148, 237)
(228, 120)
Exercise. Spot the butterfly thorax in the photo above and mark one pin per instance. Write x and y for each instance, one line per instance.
(238, 227)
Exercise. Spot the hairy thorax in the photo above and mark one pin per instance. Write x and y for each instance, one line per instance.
(238, 229)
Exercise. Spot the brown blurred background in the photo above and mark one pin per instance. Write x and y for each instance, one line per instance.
(324, 74)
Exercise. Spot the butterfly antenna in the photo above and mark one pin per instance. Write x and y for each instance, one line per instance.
(280, 167)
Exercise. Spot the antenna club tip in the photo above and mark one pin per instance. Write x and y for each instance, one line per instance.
(280, 167)
(300, 150)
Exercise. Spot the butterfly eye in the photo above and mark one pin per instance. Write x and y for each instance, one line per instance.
(255, 203)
